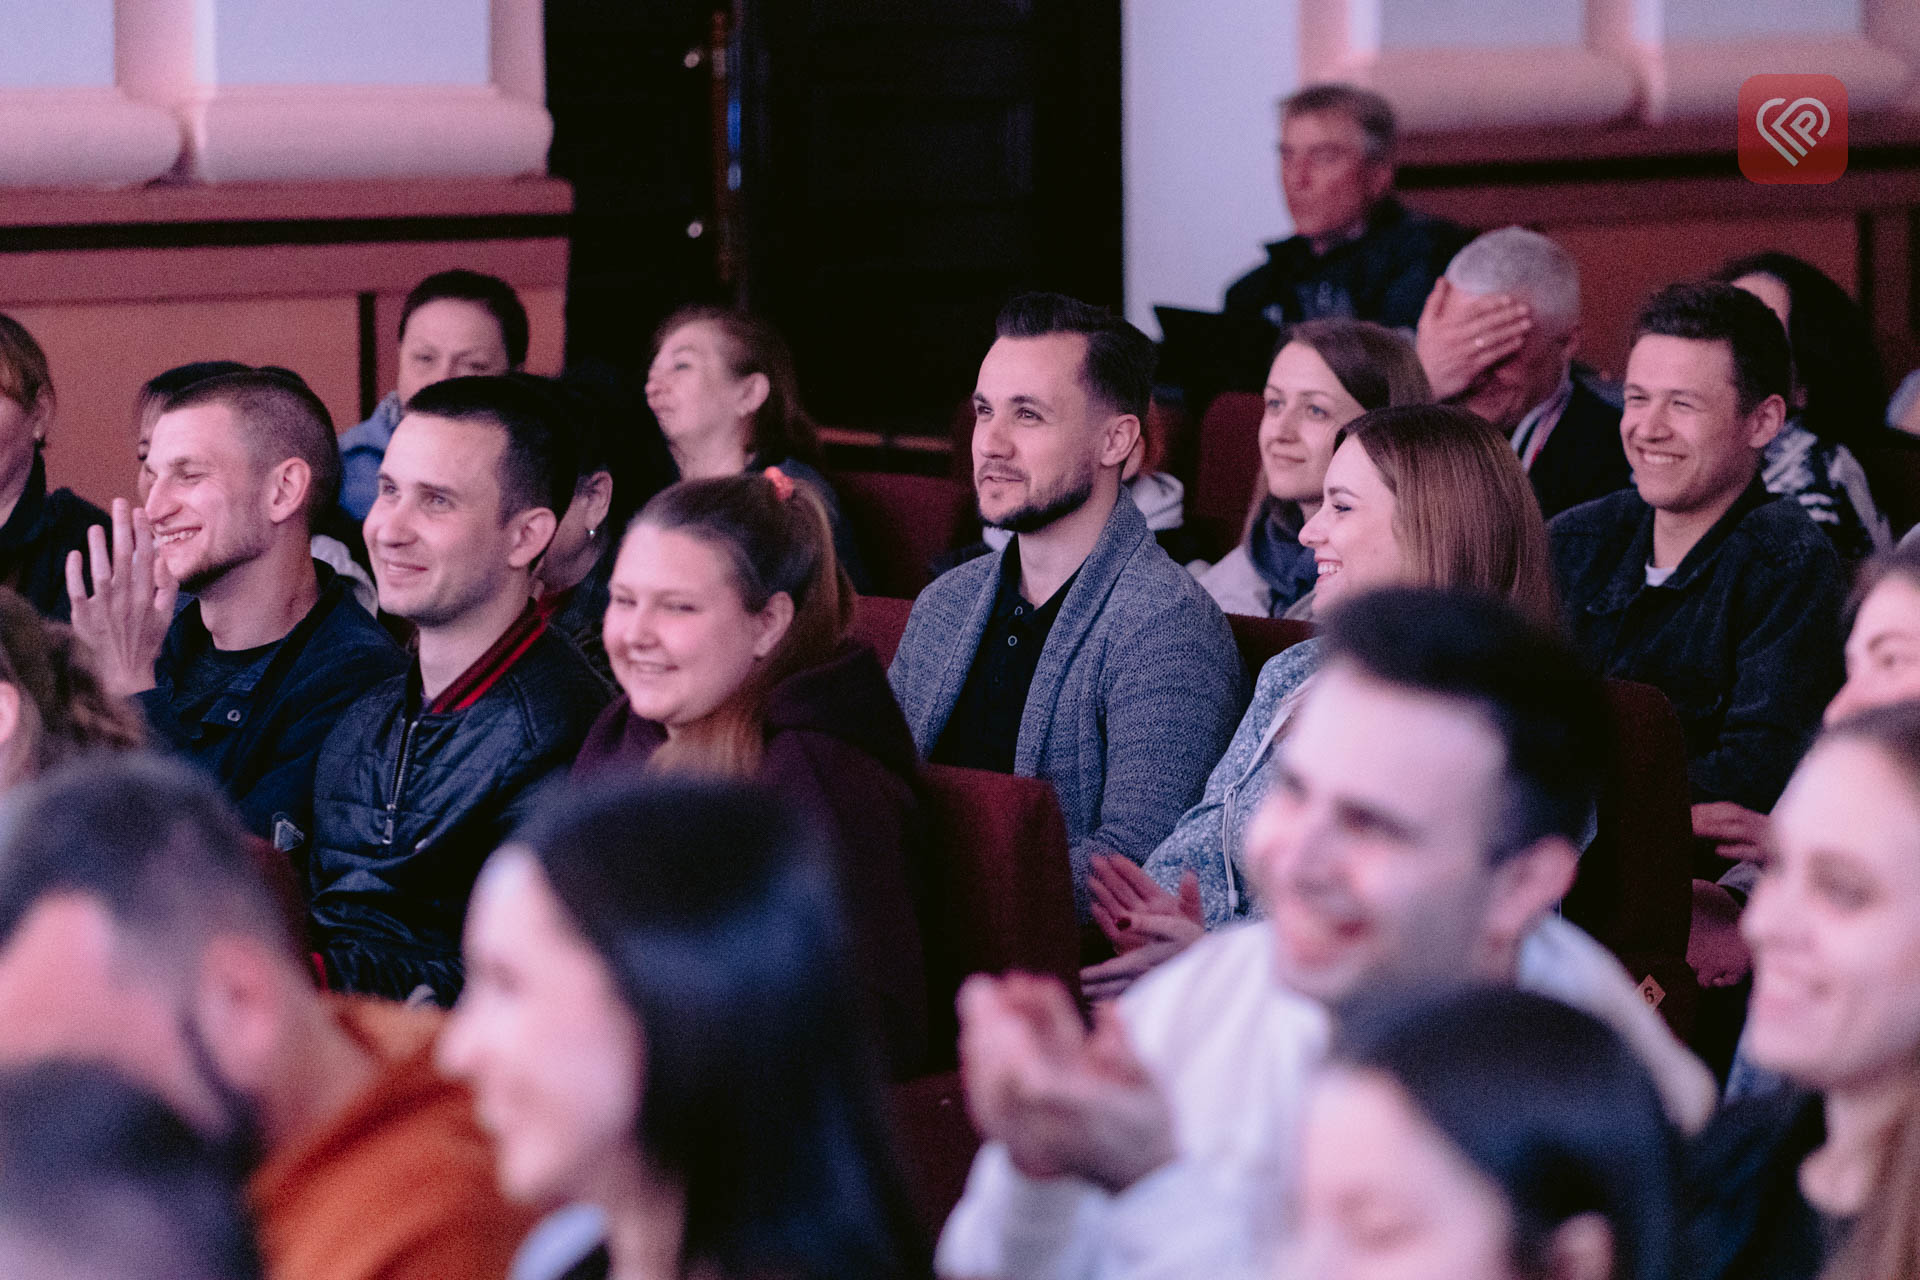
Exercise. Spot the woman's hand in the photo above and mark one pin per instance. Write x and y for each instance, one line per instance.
(1147, 925)
(1737, 833)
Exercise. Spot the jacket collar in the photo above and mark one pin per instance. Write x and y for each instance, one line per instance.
(1386, 212)
(1630, 574)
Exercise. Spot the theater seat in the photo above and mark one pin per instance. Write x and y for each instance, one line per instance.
(1259, 639)
(1634, 889)
(1001, 898)
(901, 522)
(1226, 469)
(880, 621)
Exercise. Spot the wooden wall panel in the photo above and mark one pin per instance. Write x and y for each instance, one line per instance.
(101, 353)
(1621, 264)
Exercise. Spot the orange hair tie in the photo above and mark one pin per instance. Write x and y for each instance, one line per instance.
(782, 482)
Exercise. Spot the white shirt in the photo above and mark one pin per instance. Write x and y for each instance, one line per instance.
(1233, 1051)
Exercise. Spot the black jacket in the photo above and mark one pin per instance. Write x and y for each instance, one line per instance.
(408, 804)
(36, 538)
(261, 735)
(1744, 638)
(1583, 458)
(1744, 1216)
(1384, 275)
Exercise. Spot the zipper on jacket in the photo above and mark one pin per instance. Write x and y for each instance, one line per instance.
(399, 776)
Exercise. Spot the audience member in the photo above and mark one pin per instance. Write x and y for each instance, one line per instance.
(727, 629)
(723, 388)
(37, 528)
(1326, 374)
(246, 680)
(1699, 581)
(1081, 654)
(100, 1180)
(1427, 495)
(134, 929)
(454, 324)
(53, 707)
(1838, 399)
(1498, 336)
(1356, 251)
(430, 770)
(1780, 1178)
(571, 582)
(661, 1022)
(1882, 668)
(1491, 1133)
(336, 540)
(1161, 497)
(1425, 819)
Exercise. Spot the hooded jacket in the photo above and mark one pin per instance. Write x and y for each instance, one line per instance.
(837, 749)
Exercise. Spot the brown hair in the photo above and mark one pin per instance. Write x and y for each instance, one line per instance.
(1462, 506)
(24, 377)
(782, 428)
(772, 543)
(1375, 365)
(69, 712)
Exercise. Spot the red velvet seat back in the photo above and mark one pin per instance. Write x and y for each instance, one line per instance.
(901, 522)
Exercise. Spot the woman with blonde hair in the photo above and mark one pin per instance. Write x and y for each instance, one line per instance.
(727, 629)
(1419, 494)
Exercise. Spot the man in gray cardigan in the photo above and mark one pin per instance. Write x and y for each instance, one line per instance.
(1081, 654)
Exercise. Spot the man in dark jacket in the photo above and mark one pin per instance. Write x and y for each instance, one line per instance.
(1498, 337)
(1356, 251)
(246, 680)
(432, 769)
(1699, 581)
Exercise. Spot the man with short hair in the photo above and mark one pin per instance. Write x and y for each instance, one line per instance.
(1498, 336)
(136, 930)
(428, 772)
(247, 679)
(1426, 814)
(1356, 250)
(98, 1178)
(1697, 580)
(1081, 654)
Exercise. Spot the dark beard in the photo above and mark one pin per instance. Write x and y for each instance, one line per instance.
(241, 1141)
(1036, 516)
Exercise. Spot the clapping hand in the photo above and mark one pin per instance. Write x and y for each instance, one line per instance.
(124, 621)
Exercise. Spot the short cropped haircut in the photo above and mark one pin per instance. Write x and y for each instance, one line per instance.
(1714, 312)
(154, 840)
(490, 293)
(102, 1178)
(1373, 113)
(1544, 1101)
(1118, 370)
(280, 417)
(538, 461)
(1516, 260)
(1549, 710)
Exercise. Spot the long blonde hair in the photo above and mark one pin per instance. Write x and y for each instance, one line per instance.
(773, 534)
(1463, 508)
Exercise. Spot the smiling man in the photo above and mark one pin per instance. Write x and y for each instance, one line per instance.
(1697, 580)
(425, 775)
(249, 678)
(1422, 824)
(1081, 654)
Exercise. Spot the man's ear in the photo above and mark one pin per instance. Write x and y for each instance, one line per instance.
(1377, 178)
(1527, 885)
(1118, 438)
(532, 535)
(237, 1008)
(287, 487)
(1570, 345)
(1765, 422)
(10, 743)
(597, 494)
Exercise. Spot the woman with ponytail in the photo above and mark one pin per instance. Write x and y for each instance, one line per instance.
(726, 627)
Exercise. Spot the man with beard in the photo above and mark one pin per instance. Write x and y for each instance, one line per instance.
(1081, 654)
(154, 946)
(249, 677)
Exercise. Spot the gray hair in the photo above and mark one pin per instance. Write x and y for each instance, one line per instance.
(1516, 260)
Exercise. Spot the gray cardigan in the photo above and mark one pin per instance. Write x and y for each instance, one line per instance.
(1138, 688)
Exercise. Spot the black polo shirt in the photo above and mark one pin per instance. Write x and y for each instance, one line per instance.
(985, 725)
